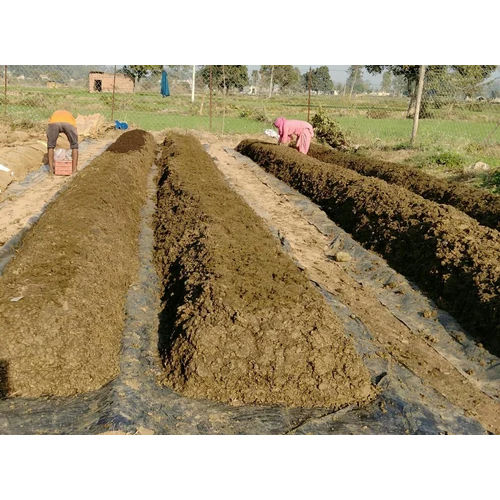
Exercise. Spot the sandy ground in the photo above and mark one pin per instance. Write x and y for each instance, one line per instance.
(308, 248)
(17, 209)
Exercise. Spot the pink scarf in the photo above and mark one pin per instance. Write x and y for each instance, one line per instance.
(279, 124)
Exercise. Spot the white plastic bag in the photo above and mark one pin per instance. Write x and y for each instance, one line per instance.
(61, 154)
(272, 133)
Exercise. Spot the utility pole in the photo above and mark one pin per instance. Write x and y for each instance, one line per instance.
(421, 76)
(271, 84)
(192, 86)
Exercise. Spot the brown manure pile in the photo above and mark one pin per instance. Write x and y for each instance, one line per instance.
(62, 297)
(240, 323)
(479, 204)
(448, 254)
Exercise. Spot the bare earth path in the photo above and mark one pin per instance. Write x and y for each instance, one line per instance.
(21, 205)
(397, 340)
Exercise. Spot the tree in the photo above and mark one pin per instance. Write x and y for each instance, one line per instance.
(230, 77)
(285, 77)
(255, 77)
(137, 72)
(321, 80)
(440, 82)
(410, 75)
(355, 75)
(398, 85)
(468, 79)
(386, 82)
(355, 82)
(180, 72)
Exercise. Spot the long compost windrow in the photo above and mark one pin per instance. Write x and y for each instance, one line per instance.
(477, 203)
(228, 303)
(450, 255)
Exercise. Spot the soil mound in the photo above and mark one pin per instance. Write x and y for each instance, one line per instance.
(62, 297)
(479, 204)
(240, 323)
(129, 141)
(449, 255)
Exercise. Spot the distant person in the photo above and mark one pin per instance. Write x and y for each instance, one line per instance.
(288, 128)
(64, 122)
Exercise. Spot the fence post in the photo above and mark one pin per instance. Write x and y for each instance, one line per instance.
(223, 99)
(192, 86)
(5, 90)
(309, 96)
(421, 74)
(210, 98)
(113, 100)
(271, 84)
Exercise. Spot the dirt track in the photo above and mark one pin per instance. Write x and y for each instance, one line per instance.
(240, 323)
(479, 204)
(451, 256)
(62, 296)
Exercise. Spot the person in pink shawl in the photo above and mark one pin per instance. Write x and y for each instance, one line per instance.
(302, 130)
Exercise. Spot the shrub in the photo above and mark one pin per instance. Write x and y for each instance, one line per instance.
(492, 181)
(245, 113)
(447, 159)
(328, 131)
(377, 113)
(260, 116)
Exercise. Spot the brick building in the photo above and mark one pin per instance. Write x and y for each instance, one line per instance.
(103, 82)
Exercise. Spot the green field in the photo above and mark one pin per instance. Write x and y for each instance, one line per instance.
(466, 131)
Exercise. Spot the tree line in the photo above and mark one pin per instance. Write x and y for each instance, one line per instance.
(465, 81)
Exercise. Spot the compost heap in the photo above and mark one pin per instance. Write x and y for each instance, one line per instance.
(477, 203)
(449, 254)
(62, 297)
(240, 324)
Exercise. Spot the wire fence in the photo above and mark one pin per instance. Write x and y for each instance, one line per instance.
(450, 113)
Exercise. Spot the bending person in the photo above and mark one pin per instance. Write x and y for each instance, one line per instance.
(64, 122)
(288, 128)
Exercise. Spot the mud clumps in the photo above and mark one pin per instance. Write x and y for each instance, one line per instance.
(448, 254)
(479, 204)
(62, 297)
(240, 323)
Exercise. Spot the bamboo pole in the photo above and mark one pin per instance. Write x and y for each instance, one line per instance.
(113, 100)
(271, 84)
(223, 99)
(421, 75)
(194, 81)
(5, 90)
(309, 96)
(210, 87)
